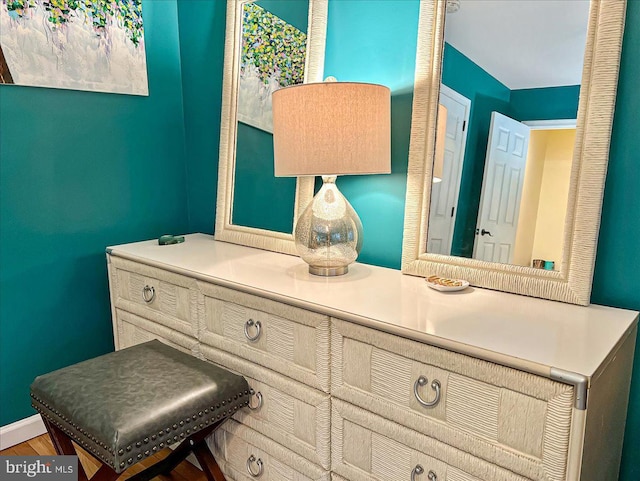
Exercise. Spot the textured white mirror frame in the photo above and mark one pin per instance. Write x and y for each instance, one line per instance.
(572, 283)
(225, 230)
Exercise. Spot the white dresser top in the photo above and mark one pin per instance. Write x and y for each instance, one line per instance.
(522, 332)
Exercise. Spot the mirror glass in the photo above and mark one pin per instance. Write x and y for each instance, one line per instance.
(272, 55)
(511, 77)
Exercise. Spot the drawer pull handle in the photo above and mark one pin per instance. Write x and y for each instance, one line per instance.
(259, 398)
(258, 462)
(148, 294)
(418, 470)
(435, 385)
(250, 323)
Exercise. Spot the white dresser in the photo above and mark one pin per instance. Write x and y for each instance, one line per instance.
(374, 376)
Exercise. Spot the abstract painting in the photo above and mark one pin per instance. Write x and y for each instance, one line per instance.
(95, 45)
(273, 56)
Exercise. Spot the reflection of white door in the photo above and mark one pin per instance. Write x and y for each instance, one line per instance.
(501, 189)
(444, 194)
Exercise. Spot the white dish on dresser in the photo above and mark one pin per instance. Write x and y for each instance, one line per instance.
(444, 284)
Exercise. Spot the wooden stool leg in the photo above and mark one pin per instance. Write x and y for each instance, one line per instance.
(195, 443)
(60, 440)
(105, 473)
(166, 465)
(63, 445)
(207, 462)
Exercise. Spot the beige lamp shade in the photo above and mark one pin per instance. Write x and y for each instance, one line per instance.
(332, 128)
(441, 137)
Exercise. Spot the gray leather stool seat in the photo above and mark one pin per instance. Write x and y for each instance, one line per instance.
(127, 405)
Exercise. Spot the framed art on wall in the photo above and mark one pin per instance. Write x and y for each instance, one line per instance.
(94, 45)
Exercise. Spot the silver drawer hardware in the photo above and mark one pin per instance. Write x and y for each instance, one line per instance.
(418, 470)
(252, 459)
(259, 398)
(250, 323)
(435, 385)
(148, 294)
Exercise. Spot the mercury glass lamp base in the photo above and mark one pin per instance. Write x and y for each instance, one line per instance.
(328, 234)
(328, 271)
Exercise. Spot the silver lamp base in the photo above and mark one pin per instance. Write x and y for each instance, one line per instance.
(328, 234)
(328, 271)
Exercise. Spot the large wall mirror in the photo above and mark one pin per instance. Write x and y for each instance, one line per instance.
(269, 44)
(512, 113)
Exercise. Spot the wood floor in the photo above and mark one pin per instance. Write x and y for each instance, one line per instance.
(42, 446)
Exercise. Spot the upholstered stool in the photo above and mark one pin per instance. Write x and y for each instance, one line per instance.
(130, 404)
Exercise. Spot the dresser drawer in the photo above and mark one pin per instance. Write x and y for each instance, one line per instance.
(507, 417)
(238, 448)
(132, 330)
(286, 339)
(292, 414)
(163, 297)
(366, 447)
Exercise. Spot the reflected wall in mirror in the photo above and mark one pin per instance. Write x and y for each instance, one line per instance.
(269, 44)
(529, 92)
(511, 74)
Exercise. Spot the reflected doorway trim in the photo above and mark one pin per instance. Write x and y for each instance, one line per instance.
(461, 99)
(556, 124)
(225, 230)
(591, 154)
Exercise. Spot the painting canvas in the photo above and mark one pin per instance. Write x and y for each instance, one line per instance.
(273, 56)
(95, 45)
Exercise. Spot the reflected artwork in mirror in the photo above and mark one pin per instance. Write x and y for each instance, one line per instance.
(511, 74)
(269, 44)
(506, 192)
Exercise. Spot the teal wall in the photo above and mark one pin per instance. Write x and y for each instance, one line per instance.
(80, 171)
(295, 13)
(354, 53)
(202, 28)
(549, 103)
(617, 272)
(260, 199)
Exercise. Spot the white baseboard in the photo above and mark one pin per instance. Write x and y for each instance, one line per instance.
(21, 431)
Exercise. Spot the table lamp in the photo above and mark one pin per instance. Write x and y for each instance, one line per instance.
(331, 129)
